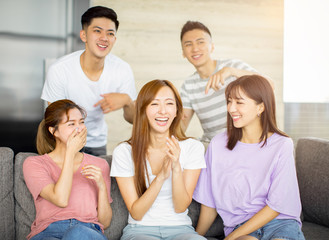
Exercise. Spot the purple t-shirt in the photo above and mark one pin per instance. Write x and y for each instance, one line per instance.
(241, 182)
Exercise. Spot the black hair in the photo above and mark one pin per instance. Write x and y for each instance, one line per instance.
(191, 25)
(99, 12)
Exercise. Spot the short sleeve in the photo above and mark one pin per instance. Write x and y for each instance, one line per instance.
(122, 163)
(193, 154)
(241, 65)
(203, 191)
(184, 96)
(54, 87)
(36, 175)
(128, 83)
(283, 195)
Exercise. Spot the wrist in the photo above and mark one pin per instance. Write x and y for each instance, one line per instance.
(176, 168)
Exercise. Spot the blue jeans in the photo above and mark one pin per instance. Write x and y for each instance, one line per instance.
(287, 229)
(71, 229)
(140, 232)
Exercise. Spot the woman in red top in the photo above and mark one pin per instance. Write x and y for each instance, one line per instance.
(71, 190)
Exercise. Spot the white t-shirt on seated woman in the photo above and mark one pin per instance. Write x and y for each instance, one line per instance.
(162, 211)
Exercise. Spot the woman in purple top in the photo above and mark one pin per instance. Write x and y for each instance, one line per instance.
(250, 179)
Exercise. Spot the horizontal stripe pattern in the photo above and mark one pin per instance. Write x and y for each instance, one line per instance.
(211, 108)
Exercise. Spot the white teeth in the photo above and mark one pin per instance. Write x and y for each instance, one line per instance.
(162, 119)
(235, 117)
(102, 46)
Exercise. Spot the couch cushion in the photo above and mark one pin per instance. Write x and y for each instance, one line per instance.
(119, 210)
(216, 230)
(314, 231)
(7, 223)
(24, 205)
(312, 161)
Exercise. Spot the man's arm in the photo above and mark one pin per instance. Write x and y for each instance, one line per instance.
(187, 116)
(218, 79)
(114, 101)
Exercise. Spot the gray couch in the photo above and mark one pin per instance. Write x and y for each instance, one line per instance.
(312, 158)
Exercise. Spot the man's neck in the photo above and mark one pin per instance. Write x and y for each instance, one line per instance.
(91, 66)
(206, 70)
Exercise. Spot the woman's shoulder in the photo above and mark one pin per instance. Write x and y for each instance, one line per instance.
(122, 147)
(37, 159)
(220, 138)
(190, 143)
(280, 139)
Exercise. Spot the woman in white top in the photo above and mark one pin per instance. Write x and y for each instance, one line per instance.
(158, 168)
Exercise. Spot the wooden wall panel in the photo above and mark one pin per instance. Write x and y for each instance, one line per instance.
(148, 39)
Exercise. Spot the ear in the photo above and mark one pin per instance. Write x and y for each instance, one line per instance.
(83, 36)
(261, 108)
(212, 48)
(52, 130)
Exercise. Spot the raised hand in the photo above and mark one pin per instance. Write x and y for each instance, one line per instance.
(113, 101)
(94, 173)
(173, 152)
(77, 140)
(218, 79)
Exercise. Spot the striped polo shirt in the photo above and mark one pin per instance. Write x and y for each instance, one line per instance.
(211, 108)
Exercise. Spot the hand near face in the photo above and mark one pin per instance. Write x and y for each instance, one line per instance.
(94, 173)
(173, 152)
(112, 101)
(218, 79)
(77, 140)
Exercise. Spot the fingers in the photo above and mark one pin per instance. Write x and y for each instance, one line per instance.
(173, 148)
(92, 172)
(214, 82)
(208, 85)
(99, 102)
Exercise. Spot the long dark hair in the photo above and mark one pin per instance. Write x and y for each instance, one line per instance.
(53, 116)
(140, 138)
(259, 89)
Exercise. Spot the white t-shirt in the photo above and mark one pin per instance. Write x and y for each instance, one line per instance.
(66, 80)
(162, 211)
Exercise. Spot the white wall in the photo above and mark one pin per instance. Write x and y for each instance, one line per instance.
(306, 51)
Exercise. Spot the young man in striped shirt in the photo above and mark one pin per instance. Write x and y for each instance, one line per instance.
(204, 91)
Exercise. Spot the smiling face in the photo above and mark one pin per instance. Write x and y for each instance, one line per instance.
(244, 111)
(99, 37)
(162, 111)
(197, 47)
(73, 120)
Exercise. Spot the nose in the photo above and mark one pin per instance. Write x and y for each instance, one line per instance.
(162, 109)
(103, 36)
(195, 47)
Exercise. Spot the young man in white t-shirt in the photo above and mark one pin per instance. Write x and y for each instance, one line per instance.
(204, 91)
(93, 78)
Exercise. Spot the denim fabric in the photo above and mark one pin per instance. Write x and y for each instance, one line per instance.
(96, 151)
(71, 229)
(139, 232)
(287, 229)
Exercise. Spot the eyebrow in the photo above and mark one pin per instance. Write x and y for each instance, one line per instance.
(189, 41)
(108, 30)
(75, 120)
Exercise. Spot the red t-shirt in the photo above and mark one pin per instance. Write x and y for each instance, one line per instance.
(40, 171)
